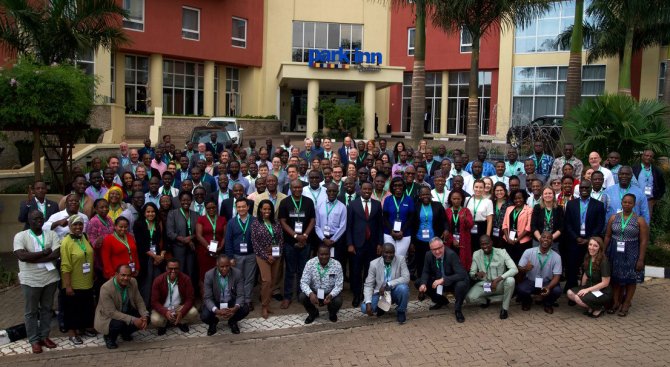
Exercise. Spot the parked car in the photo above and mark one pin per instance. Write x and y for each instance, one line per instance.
(545, 128)
(201, 134)
(231, 125)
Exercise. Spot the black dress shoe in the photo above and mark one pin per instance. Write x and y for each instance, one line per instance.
(486, 305)
(356, 302)
(421, 297)
(380, 312)
(436, 306)
(109, 343)
(332, 317)
(162, 330)
(234, 328)
(184, 328)
(278, 297)
(459, 317)
(211, 330)
(503, 314)
(310, 318)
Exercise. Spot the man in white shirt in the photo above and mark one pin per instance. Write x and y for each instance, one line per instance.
(58, 222)
(594, 161)
(500, 174)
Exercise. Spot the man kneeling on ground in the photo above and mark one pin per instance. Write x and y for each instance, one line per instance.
(388, 273)
(172, 299)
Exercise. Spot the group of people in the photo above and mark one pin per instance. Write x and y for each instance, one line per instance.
(164, 237)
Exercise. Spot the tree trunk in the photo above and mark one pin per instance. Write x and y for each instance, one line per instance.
(624, 67)
(472, 130)
(573, 86)
(666, 86)
(418, 107)
(36, 154)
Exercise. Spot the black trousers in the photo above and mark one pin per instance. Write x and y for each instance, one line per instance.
(119, 327)
(209, 317)
(459, 289)
(573, 258)
(359, 266)
(420, 249)
(334, 305)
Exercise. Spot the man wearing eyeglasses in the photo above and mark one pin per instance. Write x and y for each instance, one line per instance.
(172, 298)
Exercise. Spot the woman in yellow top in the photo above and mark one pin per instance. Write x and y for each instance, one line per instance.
(77, 275)
(116, 205)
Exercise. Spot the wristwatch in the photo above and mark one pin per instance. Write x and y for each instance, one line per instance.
(295, 235)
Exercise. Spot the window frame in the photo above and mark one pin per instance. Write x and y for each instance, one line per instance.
(184, 30)
(246, 27)
(662, 79)
(465, 48)
(411, 33)
(133, 21)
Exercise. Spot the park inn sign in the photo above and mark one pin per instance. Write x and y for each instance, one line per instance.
(340, 59)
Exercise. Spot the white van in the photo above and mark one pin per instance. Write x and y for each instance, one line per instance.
(230, 124)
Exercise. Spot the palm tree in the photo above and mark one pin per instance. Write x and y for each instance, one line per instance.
(573, 86)
(56, 31)
(418, 74)
(478, 17)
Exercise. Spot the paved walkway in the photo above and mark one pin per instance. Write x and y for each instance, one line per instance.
(430, 338)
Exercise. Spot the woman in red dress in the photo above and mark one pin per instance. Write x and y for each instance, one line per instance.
(459, 224)
(205, 228)
(119, 248)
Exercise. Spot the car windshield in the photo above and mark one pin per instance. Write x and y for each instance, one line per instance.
(203, 136)
(228, 125)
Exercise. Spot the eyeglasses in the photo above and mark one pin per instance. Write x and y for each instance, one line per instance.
(172, 270)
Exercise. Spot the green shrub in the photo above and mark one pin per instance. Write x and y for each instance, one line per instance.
(658, 256)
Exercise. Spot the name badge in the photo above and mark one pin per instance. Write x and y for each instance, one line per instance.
(171, 308)
(457, 237)
(298, 227)
(582, 230)
(332, 252)
(326, 231)
(648, 190)
(597, 293)
(275, 251)
(320, 294)
(213, 246)
(132, 267)
(50, 266)
(86, 268)
(620, 246)
(152, 248)
(243, 248)
(439, 289)
(538, 282)
(474, 229)
(223, 305)
(425, 233)
(496, 232)
(397, 225)
(512, 235)
(487, 287)
(619, 211)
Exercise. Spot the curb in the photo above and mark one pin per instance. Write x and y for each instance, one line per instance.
(656, 272)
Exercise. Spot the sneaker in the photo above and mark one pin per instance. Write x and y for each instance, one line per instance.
(402, 317)
(76, 340)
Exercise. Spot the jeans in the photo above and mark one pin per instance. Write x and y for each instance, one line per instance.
(334, 305)
(38, 310)
(527, 287)
(296, 258)
(399, 297)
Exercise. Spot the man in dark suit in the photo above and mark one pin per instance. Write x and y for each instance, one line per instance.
(220, 296)
(292, 174)
(214, 147)
(37, 201)
(197, 179)
(222, 193)
(365, 237)
(584, 217)
(228, 209)
(442, 271)
(348, 192)
(344, 150)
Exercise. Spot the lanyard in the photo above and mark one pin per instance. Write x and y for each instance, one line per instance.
(272, 232)
(397, 206)
(624, 193)
(152, 228)
(125, 243)
(200, 208)
(425, 212)
(624, 224)
(317, 195)
(583, 206)
(171, 286)
(591, 269)
(647, 171)
(42, 207)
(82, 246)
(297, 206)
(187, 219)
(537, 163)
(411, 190)
(440, 199)
(243, 228)
(476, 207)
(600, 195)
(81, 204)
(455, 218)
(332, 205)
(488, 264)
(167, 191)
(547, 216)
(438, 264)
(124, 292)
(213, 223)
(322, 270)
(223, 282)
(387, 273)
(378, 197)
(41, 243)
(103, 221)
(515, 216)
(539, 259)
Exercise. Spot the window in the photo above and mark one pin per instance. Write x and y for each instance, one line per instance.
(661, 81)
(540, 91)
(216, 90)
(183, 87)
(190, 23)
(329, 36)
(239, 32)
(541, 34)
(466, 41)
(457, 102)
(232, 92)
(137, 79)
(410, 41)
(135, 9)
(85, 61)
(431, 124)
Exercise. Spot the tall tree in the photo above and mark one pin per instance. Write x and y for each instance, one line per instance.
(479, 17)
(573, 86)
(418, 109)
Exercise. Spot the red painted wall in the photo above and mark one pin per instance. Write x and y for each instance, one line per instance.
(162, 31)
(442, 53)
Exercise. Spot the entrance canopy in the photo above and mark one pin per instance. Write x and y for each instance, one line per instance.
(351, 78)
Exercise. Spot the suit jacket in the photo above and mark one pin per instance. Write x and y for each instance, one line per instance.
(375, 279)
(212, 293)
(159, 293)
(176, 225)
(344, 157)
(453, 270)
(227, 207)
(109, 305)
(439, 218)
(659, 182)
(214, 196)
(595, 220)
(342, 196)
(356, 224)
(287, 186)
(216, 150)
(26, 207)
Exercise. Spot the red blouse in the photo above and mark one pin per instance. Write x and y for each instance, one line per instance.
(115, 253)
(465, 223)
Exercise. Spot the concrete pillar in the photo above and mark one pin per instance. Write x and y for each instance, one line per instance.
(155, 81)
(312, 104)
(443, 103)
(369, 97)
(222, 91)
(208, 89)
(118, 111)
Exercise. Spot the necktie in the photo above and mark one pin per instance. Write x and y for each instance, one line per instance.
(367, 216)
(439, 267)
(350, 199)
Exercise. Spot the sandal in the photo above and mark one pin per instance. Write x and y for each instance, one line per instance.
(623, 312)
(613, 309)
(600, 312)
